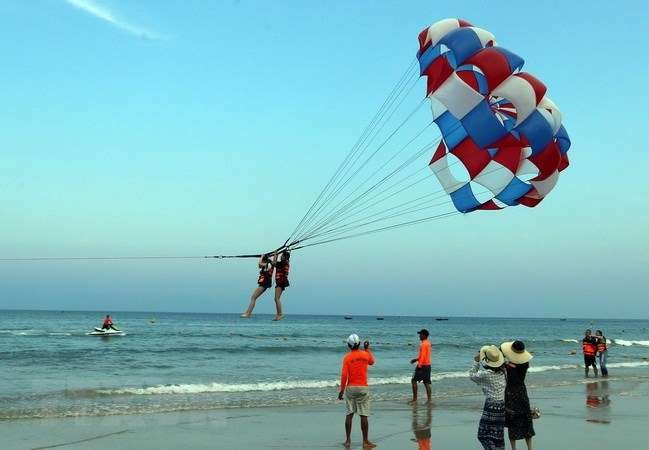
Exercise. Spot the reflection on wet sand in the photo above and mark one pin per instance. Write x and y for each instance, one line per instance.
(422, 416)
(598, 403)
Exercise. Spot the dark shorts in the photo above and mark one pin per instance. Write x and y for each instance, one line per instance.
(422, 374)
(265, 285)
(282, 284)
(589, 360)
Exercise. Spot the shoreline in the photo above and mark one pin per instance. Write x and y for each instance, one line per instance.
(614, 410)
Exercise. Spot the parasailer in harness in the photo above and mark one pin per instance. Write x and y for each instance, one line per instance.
(282, 268)
(264, 281)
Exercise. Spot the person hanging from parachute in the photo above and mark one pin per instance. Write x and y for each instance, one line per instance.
(282, 268)
(266, 268)
(264, 282)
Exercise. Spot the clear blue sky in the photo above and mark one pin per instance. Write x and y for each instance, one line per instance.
(165, 127)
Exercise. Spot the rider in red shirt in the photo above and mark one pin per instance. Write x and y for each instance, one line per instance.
(108, 323)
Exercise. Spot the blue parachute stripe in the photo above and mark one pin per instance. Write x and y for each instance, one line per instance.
(463, 42)
(513, 191)
(451, 129)
(483, 87)
(482, 126)
(537, 130)
(492, 151)
(515, 61)
(563, 140)
(464, 199)
(427, 58)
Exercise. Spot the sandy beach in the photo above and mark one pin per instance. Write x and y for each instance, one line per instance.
(603, 414)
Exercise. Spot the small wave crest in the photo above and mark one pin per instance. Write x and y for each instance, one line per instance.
(629, 364)
(261, 386)
(626, 343)
(267, 386)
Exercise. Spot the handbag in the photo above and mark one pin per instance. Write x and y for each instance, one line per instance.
(535, 412)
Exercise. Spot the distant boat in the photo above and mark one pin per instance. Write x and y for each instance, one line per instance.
(440, 318)
(379, 318)
(563, 320)
(348, 317)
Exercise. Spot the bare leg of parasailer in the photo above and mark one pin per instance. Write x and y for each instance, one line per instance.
(253, 301)
(278, 303)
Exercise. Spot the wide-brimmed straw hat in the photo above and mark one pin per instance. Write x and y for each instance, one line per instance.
(491, 356)
(515, 352)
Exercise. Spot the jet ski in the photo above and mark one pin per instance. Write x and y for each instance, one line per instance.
(106, 332)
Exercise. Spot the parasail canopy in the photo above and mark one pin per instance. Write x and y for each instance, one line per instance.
(499, 128)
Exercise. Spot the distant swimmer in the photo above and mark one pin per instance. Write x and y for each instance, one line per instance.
(108, 323)
(422, 371)
(354, 389)
(264, 281)
(589, 347)
(282, 268)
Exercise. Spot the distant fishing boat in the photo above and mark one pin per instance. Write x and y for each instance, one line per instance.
(348, 317)
(379, 318)
(440, 318)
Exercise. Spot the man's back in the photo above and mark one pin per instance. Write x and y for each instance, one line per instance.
(354, 369)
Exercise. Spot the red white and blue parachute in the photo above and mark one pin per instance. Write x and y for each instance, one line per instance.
(499, 127)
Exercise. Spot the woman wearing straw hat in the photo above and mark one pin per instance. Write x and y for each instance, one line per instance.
(491, 378)
(518, 416)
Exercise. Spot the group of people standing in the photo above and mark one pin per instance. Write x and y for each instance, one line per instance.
(499, 371)
(594, 347)
(267, 266)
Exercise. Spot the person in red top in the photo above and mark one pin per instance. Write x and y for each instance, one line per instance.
(108, 323)
(422, 371)
(265, 281)
(282, 268)
(353, 387)
(589, 347)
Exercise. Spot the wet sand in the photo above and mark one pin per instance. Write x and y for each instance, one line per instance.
(595, 415)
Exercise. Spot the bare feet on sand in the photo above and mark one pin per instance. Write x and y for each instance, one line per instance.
(368, 444)
(278, 317)
(347, 444)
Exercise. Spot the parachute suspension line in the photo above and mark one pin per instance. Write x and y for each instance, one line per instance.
(409, 208)
(379, 230)
(363, 205)
(335, 213)
(343, 180)
(347, 227)
(359, 168)
(352, 226)
(341, 207)
(368, 129)
(434, 217)
(356, 206)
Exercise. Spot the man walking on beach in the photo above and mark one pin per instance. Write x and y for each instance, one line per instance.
(422, 371)
(353, 387)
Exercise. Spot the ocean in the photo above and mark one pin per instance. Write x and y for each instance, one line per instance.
(50, 367)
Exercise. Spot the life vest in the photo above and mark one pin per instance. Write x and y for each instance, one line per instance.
(281, 272)
(107, 322)
(601, 344)
(589, 347)
(265, 276)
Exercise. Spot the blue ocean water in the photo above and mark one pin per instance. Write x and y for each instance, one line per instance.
(50, 367)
